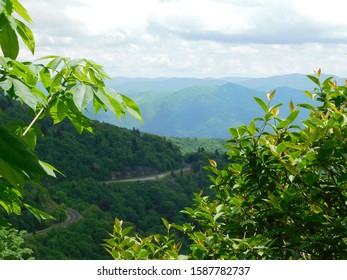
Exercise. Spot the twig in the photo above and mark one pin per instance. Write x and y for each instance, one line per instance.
(36, 117)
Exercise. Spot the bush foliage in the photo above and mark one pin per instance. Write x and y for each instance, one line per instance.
(281, 196)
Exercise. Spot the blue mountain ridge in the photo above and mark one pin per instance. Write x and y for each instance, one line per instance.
(188, 107)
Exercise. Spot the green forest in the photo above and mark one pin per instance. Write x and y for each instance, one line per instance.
(73, 188)
(88, 162)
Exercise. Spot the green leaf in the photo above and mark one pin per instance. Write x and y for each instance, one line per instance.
(309, 94)
(30, 139)
(49, 169)
(20, 10)
(314, 79)
(23, 72)
(237, 167)
(58, 111)
(128, 255)
(9, 7)
(219, 208)
(10, 200)
(282, 147)
(104, 102)
(95, 78)
(273, 200)
(132, 108)
(115, 102)
(97, 103)
(316, 209)
(270, 95)
(79, 121)
(38, 214)
(289, 194)
(16, 153)
(6, 206)
(261, 103)
(82, 96)
(56, 83)
(143, 254)
(126, 231)
(234, 132)
(292, 116)
(6, 85)
(166, 223)
(310, 179)
(45, 76)
(292, 169)
(200, 235)
(41, 98)
(217, 216)
(15, 177)
(282, 124)
(8, 40)
(54, 63)
(2, 6)
(24, 93)
(252, 127)
(74, 63)
(27, 35)
(307, 106)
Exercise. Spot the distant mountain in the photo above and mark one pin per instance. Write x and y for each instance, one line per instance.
(296, 81)
(133, 85)
(187, 107)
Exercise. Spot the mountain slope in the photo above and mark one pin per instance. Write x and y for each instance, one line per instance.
(296, 81)
(133, 85)
(187, 107)
(109, 152)
(201, 111)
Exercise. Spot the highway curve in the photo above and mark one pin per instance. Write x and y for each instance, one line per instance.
(73, 216)
(149, 177)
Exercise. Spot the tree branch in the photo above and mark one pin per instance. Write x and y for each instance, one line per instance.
(36, 118)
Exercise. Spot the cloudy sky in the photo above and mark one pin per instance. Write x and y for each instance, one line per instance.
(195, 38)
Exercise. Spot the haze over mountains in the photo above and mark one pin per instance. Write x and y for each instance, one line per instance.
(189, 107)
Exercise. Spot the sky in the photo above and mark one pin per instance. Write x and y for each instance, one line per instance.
(194, 38)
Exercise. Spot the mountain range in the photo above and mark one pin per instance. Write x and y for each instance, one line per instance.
(190, 107)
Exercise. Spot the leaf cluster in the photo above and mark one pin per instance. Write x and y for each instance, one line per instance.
(11, 245)
(53, 87)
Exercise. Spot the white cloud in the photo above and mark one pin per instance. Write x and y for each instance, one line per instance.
(194, 37)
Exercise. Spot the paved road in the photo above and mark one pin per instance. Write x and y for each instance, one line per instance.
(148, 178)
(73, 217)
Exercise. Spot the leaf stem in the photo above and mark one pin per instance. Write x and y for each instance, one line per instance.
(36, 117)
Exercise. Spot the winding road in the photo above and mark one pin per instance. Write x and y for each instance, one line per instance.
(150, 177)
(73, 217)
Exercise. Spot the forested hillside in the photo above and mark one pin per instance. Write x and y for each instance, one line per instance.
(87, 162)
(109, 152)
